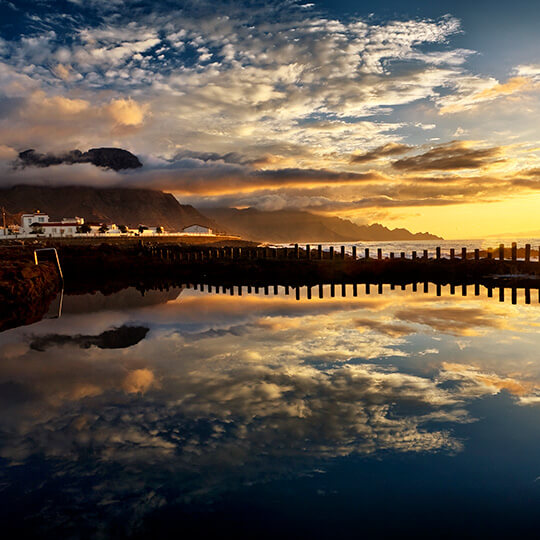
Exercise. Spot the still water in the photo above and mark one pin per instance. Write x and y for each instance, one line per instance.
(188, 412)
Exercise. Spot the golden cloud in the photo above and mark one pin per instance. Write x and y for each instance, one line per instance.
(127, 112)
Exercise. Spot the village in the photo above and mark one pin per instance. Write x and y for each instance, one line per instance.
(38, 225)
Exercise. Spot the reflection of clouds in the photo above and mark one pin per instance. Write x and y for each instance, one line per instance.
(451, 320)
(223, 392)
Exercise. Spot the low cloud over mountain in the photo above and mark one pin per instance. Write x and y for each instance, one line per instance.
(109, 158)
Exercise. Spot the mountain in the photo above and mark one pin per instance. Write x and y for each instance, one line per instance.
(110, 158)
(298, 226)
(122, 206)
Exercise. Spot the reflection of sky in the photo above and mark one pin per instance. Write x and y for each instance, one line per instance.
(226, 392)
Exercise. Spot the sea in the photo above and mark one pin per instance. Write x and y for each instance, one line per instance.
(347, 411)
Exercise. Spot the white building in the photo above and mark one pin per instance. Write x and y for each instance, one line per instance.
(40, 224)
(197, 229)
(28, 219)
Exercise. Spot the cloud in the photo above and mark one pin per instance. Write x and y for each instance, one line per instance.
(451, 320)
(386, 150)
(473, 91)
(450, 156)
(127, 112)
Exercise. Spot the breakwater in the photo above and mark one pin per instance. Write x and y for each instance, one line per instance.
(26, 289)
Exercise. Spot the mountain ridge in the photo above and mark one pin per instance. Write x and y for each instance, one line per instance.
(286, 226)
(126, 206)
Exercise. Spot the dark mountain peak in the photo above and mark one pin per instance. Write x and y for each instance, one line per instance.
(110, 158)
(113, 158)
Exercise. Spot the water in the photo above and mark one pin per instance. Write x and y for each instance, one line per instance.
(408, 247)
(185, 412)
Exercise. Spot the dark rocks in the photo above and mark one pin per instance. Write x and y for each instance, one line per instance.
(109, 158)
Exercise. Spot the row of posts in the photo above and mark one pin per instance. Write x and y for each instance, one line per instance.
(250, 289)
(175, 254)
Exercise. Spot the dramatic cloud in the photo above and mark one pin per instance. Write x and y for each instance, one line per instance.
(450, 157)
(390, 149)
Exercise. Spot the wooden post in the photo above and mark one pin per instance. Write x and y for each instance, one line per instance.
(464, 254)
(308, 292)
(355, 289)
(343, 290)
(286, 290)
(452, 289)
(321, 290)
(275, 290)
(490, 253)
(452, 254)
(296, 252)
(438, 252)
(298, 293)
(490, 292)
(391, 254)
(380, 288)
(501, 294)
(308, 252)
(266, 290)
(343, 252)
(527, 295)
(501, 253)
(476, 254)
(476, 289)
(425, 254)
(528, 255)
(331, 252)
(415, 287)
(319, 251)
(514, 295)
(402, 254)
(426, 286)
(366, 253)
(514, 252)
(413, 255)
(354, 253)
(332, 290)
(379, 254)
(439, 289)
(464, 290)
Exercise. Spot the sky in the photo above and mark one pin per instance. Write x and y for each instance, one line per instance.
(412, 114)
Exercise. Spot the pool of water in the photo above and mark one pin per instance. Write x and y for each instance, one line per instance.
(186, 412)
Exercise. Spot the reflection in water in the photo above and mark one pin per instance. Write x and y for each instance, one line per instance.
(185, 399)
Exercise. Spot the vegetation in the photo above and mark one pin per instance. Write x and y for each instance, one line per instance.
(103, 229)
(84, 229)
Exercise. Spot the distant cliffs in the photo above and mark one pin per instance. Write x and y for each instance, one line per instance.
(298, 226)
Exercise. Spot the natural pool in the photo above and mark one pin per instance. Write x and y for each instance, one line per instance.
(185, 412)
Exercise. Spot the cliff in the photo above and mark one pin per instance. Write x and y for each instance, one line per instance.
(299, 226)
(122, 206)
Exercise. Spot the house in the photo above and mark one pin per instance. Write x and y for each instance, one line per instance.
(27, 220)
(38, 223)
(197, 229)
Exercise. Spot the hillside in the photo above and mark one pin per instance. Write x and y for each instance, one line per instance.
(129, 207)
(298, 226)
